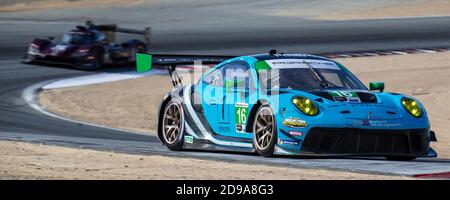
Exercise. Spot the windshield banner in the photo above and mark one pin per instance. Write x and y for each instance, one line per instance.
(301, 63)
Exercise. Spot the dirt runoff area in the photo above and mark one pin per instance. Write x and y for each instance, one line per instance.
(421, 8)
(30, 5)
(34, 161)
(133, 104)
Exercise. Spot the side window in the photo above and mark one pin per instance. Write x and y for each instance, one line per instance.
(333, 78)
(237, 74)
(214, 78)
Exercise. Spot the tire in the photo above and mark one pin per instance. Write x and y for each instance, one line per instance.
(27, 59)
(141, 48)
(400, 158)
(172, 126)
(264, 131)
(96, 63)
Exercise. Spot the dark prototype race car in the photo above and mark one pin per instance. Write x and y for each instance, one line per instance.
(88, 47)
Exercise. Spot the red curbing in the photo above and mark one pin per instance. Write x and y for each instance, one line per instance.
(365, 54)
(444, 175)
(385, 53)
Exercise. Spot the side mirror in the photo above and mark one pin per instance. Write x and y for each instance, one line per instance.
(376, 86)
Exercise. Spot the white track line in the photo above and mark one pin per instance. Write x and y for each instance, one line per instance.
(99, 78)
(29, 95)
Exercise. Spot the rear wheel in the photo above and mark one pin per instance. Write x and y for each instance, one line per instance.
(400, 158)
(264, 130)
(141, 48)
(173, 126)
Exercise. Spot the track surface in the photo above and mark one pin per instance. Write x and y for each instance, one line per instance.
(18, 121)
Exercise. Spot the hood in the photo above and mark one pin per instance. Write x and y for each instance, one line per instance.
(360, 104)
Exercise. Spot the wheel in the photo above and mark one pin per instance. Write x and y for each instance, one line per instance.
(96, 63)
(141, 48)
(400, 158)
(27, 59)
(264, 131)
(173, 126)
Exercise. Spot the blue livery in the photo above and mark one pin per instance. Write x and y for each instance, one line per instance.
(293, 104)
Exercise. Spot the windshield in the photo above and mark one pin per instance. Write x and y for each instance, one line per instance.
(76, 38)
(306, 75)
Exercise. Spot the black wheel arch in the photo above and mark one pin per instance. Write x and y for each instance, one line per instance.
(251, 115)
(162, 106)
(100, 48)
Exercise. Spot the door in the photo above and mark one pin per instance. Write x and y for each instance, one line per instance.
(213, 101)
(237, 84)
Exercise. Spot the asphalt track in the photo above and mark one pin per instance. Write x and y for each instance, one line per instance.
(18, 121)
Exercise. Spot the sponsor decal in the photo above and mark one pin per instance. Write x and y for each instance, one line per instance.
(188, 139)
(345, 96)
(239, 128)
(376, 123)
(240, 116)
(296, 133)
(288, 142)
(294, 122)
(297, 63)
(224, 129)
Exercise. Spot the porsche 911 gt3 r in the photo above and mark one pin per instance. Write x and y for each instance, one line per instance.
(290, 104)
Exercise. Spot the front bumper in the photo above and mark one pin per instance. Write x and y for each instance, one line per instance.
(367, 142)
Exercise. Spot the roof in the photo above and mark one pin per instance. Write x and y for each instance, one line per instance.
(287, 56)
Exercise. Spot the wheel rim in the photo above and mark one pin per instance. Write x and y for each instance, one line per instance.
(172, 123)
(263, 128)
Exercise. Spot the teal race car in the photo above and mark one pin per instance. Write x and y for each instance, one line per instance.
(287, 104)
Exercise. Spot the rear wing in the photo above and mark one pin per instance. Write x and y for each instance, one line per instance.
(111, 29)
(145, 62)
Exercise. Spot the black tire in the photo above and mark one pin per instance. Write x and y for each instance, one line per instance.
(97, 63)
(27, 59)
(264, 146)
(173, 139)
(141, 48)
(400, 158)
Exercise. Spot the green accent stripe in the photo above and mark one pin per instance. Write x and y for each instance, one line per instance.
(262, 65)
(143, 62)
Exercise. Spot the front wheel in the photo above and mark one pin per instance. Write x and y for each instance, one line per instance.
(173, 125)
(265, 131)
(27, 59)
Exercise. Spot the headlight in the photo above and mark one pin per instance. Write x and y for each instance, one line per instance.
(305, 105)
(412, 106)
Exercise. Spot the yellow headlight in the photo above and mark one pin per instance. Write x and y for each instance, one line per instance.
(305, 105)
(412, 107)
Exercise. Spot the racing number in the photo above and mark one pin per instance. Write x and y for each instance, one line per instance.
(241, 113)
(343, 94)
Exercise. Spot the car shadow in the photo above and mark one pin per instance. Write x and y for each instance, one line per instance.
(313, 157)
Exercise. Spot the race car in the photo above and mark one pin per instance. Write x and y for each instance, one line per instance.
(288, 104)
(88, 47)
